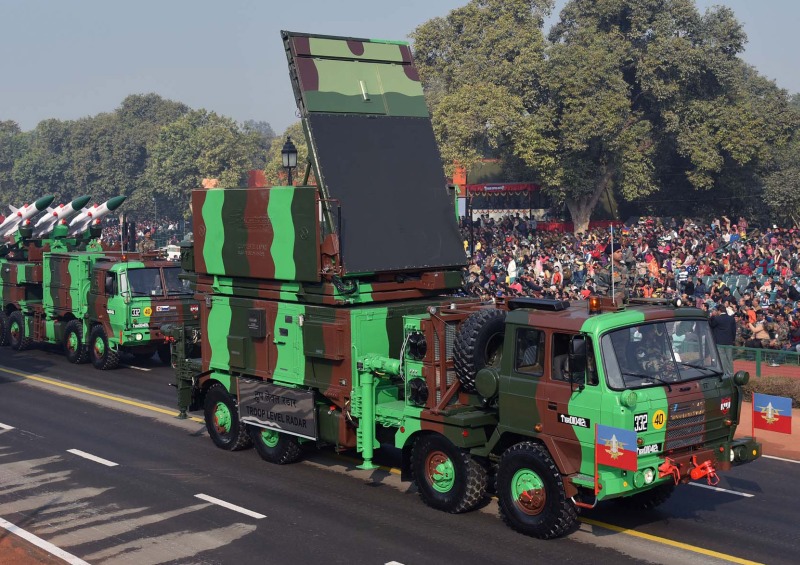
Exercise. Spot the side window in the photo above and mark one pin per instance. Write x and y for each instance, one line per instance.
(529, 354)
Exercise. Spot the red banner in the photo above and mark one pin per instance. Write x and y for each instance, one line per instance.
(501, 187)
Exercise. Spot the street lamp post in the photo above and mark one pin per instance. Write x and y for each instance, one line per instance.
(289, 158)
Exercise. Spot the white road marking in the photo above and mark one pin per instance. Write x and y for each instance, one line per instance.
(719, 489)
(136, 368)
(91, 457)
(40, 543)
(230, 506)
(6, 427)
(780, 459)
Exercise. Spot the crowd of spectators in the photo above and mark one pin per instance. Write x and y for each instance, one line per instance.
(752, 272)
(163, 231)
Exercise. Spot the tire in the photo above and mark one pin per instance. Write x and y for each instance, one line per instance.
(530, 493)
(165, 354)
(222, 420)
(16, 332)
(447, 477)
(648, 499)
(273, 446)
(74, 347)
(103, 357)
(479, 343)
(4, 339)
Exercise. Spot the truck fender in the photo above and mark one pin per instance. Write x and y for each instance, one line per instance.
(566, 465)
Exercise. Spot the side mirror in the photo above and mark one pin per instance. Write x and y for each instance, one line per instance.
(577, 362)
(577, 355)
(124, 288)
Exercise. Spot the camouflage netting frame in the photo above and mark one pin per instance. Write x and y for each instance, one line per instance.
(372, 143)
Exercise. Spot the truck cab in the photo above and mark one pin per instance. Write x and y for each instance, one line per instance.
(131, 299)
(565, 370)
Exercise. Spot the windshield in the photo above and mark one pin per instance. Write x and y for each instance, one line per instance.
(174, 284)
(145, 282)
(659, 353)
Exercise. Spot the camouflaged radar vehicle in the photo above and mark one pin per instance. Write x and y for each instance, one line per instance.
(325, 320)
(59, 285)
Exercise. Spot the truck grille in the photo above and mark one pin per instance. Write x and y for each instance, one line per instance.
(683, 432)
(690, 424)
(449, 339)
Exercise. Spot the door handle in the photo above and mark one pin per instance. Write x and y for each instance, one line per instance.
(552, 406)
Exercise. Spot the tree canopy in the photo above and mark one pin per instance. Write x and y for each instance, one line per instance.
(645, 99)
(645, 102)
(152, 150)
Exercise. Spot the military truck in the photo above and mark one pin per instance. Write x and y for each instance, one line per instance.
(59, 285)
(327, 317)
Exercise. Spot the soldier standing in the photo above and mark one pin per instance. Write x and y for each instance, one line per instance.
(616, 271)
(147, 244)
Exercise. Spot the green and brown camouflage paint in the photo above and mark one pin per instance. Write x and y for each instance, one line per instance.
(67, 285)
(281, 303)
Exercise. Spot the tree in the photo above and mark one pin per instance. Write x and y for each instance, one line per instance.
(198, 145)
(44, 168)
(263, 135)
(627, 97)
(480, 66)
(274, 171)
(782, 182)
(12, 146)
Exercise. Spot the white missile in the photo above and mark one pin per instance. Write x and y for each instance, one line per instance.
(59, 215)
(19, 216)
(92, 215)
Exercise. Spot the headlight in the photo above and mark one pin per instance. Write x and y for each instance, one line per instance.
(628, 399)
(138, 337)
(649, 475)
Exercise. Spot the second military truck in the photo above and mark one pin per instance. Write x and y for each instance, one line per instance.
(63, 287)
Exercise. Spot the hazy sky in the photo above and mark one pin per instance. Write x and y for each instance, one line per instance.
(69, 59)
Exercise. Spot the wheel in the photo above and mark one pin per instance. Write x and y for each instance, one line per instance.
(222, 420)
(479, 343)
(273, 446)
(74, 347)
(16, 332)
(103, 357)
(448, 478)
(530, 493)
(165, 353)
(648, 499)
(4, 340)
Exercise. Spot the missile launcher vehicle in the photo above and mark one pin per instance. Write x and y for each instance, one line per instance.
(60, 285)
(328, 317)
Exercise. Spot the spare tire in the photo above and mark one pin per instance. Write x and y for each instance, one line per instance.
(479, 343)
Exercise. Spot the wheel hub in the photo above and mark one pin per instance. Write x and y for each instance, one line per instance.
(222, 418)
(440, 471)
(269, 438)
(527, 490)
(99, 347)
